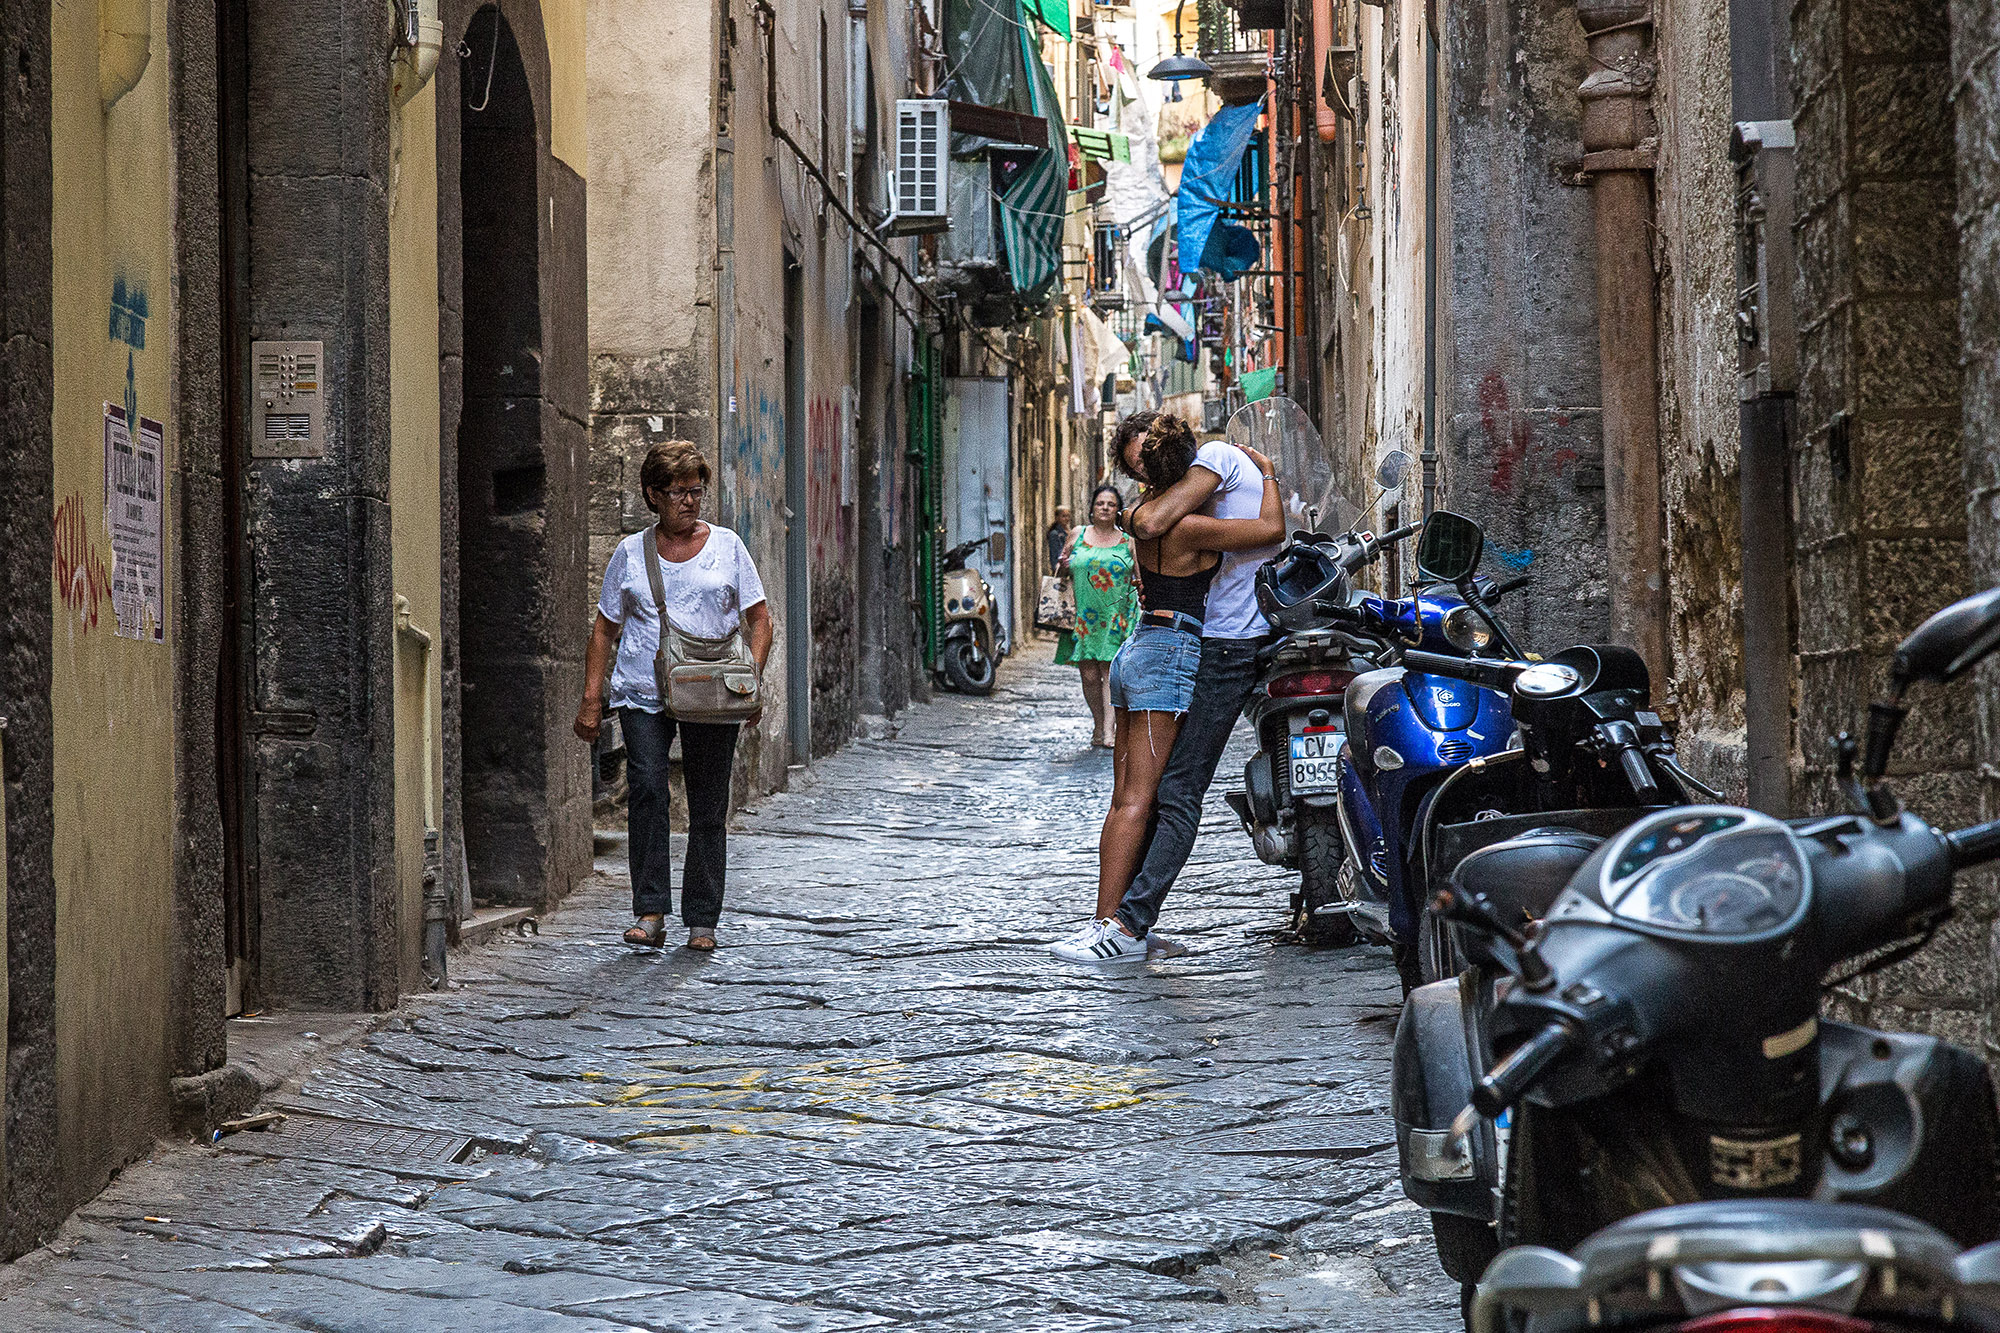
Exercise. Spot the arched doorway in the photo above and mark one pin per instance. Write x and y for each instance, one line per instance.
(503, 557)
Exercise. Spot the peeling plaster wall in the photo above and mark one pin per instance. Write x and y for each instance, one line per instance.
(1518, 382)
(1696, 256)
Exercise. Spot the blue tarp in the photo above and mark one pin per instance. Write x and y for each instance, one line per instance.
(1206, 177)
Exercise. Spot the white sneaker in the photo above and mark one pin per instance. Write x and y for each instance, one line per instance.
(1099, 942)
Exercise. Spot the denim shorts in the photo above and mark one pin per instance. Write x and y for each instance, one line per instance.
(1154, 671)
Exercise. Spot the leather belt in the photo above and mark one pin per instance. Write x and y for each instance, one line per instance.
(1179, 620)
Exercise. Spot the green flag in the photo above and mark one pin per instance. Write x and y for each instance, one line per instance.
(1054, 13)
(1258, 384)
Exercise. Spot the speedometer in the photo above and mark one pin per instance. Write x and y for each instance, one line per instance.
(1716, 873)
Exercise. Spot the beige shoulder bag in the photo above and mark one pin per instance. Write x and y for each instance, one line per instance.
(700, 680)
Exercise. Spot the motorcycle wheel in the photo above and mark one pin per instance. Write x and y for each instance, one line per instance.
(1320, 853)
(1465, 1245)
(968, 670)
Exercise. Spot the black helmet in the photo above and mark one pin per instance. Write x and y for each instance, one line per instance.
(1288, 586)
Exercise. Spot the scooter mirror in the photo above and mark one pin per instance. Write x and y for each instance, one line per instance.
(1389, 474)
(1950, 643)
(1449, 548)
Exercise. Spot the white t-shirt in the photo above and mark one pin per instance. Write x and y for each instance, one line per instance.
(1232, 598)
(706, 596)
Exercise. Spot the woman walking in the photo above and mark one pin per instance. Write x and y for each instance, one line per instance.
(1100, 565)
(709, 588)
(1152, 677)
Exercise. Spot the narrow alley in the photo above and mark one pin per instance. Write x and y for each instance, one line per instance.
(879, 1104)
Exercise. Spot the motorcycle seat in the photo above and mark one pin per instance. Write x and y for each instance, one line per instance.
(1522, 876)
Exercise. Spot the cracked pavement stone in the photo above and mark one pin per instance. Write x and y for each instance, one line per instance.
(880, 1104)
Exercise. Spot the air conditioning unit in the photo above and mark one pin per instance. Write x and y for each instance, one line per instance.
(917, 184)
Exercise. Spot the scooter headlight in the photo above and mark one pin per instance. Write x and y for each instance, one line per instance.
(1466, 631)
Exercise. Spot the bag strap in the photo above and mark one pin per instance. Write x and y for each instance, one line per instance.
(653, 573)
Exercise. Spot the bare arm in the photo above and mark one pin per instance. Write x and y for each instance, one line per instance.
(757, 631)
(1198, 532)
(596, 670)
(1150, 519)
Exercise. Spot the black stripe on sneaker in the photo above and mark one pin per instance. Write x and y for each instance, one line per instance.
(1104, 948)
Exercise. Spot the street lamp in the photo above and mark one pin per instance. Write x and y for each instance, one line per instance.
(1177, 66)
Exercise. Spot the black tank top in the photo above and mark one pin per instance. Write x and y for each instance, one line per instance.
(1185, 593)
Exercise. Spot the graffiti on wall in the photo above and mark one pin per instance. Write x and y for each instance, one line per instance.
(82, 575)
(826, 491)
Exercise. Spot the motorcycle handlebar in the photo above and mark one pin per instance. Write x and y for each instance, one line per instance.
(1492, 672)
(1974, 846)
(1505, 1084)
(1511, 585)
(1407, 530)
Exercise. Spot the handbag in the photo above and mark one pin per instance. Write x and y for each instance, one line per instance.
(1055, 604)
(700, 680)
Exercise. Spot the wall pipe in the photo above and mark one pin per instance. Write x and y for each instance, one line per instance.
(124, 47)
(1429, 455)
(420, 46)
(1619, 141)
(1761, 106)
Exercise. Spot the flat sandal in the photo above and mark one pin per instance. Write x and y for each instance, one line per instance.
(648, 932)
(701, 940)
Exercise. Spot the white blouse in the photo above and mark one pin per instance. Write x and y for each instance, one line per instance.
(706, 595)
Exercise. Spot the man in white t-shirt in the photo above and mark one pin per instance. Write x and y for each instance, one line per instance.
(1223, 483)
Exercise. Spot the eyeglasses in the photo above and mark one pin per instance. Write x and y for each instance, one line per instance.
(685, 494)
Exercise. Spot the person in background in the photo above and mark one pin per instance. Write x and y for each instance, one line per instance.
(1060, 534)
(1098, 562)
(709, 587)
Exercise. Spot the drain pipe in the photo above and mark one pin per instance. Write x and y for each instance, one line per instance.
(1767, 379)
(1620, 138)
(438, 919)
(420, 44)
(1429, 456)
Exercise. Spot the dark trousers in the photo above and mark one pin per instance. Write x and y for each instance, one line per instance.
(708, 754)
(1222, 686)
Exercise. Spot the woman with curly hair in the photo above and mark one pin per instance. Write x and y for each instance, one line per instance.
(1153, 675)
(1099, 564)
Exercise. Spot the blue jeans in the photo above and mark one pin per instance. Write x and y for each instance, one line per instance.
(1221, 687)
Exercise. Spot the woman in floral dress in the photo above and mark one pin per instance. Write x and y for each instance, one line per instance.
(1102, 568)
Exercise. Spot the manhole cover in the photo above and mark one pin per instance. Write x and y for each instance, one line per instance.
(352, 1140)
(1333, 1136)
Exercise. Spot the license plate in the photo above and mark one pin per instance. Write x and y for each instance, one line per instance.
(1316, 761)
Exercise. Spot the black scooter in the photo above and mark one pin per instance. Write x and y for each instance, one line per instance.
(1694, 1148)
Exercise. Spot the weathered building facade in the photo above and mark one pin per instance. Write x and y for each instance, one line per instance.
(741, 298)
(1734, 255)
(293, 617)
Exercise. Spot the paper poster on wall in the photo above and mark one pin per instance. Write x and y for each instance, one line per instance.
(133, 480)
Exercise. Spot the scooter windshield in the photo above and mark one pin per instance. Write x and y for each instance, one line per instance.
(1280, 429)
(1719, 875)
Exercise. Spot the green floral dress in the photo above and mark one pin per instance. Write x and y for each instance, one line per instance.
(1107, 602)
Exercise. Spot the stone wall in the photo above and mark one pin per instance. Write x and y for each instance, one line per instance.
(1696, 259)
(1975, 46)
(1519, 384)
(1877, 463)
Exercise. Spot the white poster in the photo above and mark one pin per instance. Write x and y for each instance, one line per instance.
(133, 481)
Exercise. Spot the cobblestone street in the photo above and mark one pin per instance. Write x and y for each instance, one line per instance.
(878, 1104)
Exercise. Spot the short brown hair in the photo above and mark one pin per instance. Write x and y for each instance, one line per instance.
(1166, 452)
(669, 461)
